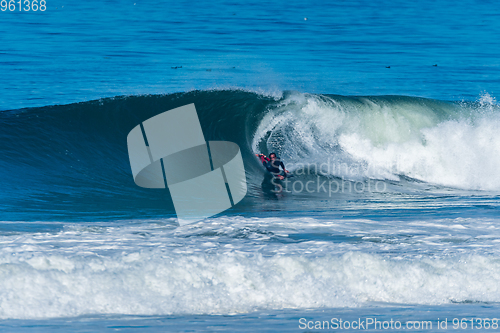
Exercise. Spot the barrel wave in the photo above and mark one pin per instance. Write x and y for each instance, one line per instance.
(80, 238)
(71, 160)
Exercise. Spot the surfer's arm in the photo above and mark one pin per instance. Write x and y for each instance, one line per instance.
(283, 166)
(262, 157)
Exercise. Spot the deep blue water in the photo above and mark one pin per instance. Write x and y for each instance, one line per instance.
(398, 98)
(92, 49)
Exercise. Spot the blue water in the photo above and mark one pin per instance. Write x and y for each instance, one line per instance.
(398, 99)
(92, 49)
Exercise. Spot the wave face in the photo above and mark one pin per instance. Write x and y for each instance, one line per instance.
(70, 161)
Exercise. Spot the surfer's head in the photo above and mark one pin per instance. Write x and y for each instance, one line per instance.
(272, 156)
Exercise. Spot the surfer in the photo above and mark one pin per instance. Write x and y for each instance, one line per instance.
(273, 164)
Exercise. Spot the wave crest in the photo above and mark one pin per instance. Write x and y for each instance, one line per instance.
(443, 143)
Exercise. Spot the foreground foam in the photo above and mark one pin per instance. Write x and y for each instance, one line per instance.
(238, 265)
(157, 283)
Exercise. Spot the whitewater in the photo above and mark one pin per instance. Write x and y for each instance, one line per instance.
(234, 265)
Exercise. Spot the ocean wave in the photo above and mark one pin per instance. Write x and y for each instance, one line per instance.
(386, 137)
(71, 161)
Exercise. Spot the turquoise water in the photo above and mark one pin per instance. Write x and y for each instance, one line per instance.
(385, 112)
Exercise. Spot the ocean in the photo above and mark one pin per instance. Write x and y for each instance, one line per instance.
(384, 112)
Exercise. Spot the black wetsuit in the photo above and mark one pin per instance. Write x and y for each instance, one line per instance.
(274, 166)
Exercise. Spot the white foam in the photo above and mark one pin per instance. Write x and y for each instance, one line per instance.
(270, 91)
(208, 268)
(159, 283)
(452, 145)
